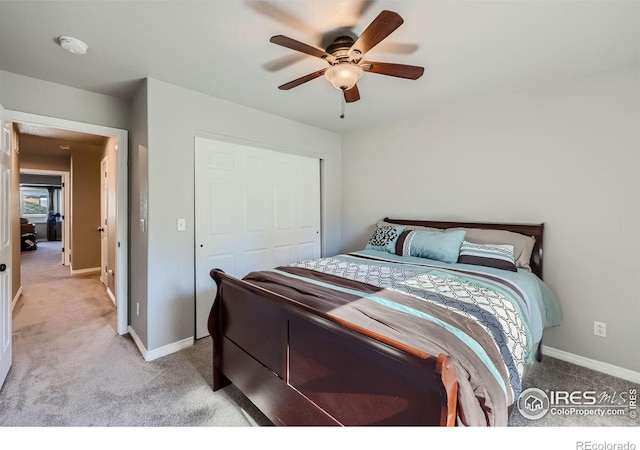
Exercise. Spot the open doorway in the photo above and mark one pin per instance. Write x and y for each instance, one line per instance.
(44, 205)
(82, 155)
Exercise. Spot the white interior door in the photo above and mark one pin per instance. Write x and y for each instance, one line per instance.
(254, 209)
(5, 248)
(104, 235)
(64, 216)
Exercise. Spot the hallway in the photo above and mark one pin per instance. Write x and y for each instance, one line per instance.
(51, 294)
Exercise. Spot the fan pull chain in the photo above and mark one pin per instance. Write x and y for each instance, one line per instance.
(343, 106)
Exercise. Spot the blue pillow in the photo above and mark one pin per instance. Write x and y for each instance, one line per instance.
(384, 238)
(439, 245)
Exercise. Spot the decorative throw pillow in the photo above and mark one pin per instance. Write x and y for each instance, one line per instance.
(384, 238)
(499, 256)
(522, 244)
(439, 245)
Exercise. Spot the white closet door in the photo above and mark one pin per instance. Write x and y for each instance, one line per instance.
(297, 208)
(254, 209)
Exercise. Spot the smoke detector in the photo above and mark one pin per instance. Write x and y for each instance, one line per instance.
(73, 45)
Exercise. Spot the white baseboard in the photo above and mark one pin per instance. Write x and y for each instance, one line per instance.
(84, 271)
(111, 296)
(150, 355)
(598, 366)
(15, 299)
(137, 341)
(169, 348)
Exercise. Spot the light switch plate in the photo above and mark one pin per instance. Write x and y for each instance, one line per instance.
(182, 224)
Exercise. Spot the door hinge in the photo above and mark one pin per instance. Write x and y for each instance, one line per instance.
(62, 249)
(118, 244)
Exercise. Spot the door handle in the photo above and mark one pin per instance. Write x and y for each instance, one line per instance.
(3, 267)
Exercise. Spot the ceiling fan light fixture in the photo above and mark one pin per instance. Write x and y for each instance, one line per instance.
(345, 54)
(344, 76)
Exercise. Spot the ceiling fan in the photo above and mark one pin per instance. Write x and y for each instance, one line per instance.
(344, 55)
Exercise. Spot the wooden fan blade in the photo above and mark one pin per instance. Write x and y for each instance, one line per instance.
(352, 95)
(381, 27)
(299, 46)
(301, 80)
(393, 70)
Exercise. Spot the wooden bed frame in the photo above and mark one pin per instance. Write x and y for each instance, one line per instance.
(303, 367)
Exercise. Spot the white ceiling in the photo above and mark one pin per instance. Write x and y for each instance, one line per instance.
(470, 49)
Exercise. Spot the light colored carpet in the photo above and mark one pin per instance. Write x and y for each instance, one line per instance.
(556, 375)
(70, 368)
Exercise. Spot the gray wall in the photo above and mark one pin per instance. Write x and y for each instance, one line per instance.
(138, 245)
(30, 95)
(566, 155)
(175, 116)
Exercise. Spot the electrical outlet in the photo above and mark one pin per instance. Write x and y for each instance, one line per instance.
(600, 329)
(137, 309)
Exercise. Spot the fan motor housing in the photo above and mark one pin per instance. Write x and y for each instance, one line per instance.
(340, 47)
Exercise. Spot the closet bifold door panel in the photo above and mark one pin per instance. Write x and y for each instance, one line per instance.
(255, 208)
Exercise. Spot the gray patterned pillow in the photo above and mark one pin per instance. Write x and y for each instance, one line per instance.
(522, 245)
(499, 256)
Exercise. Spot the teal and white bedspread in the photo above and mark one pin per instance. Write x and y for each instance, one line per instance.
(513, 307)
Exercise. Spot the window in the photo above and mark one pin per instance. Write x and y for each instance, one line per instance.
(35, 202)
